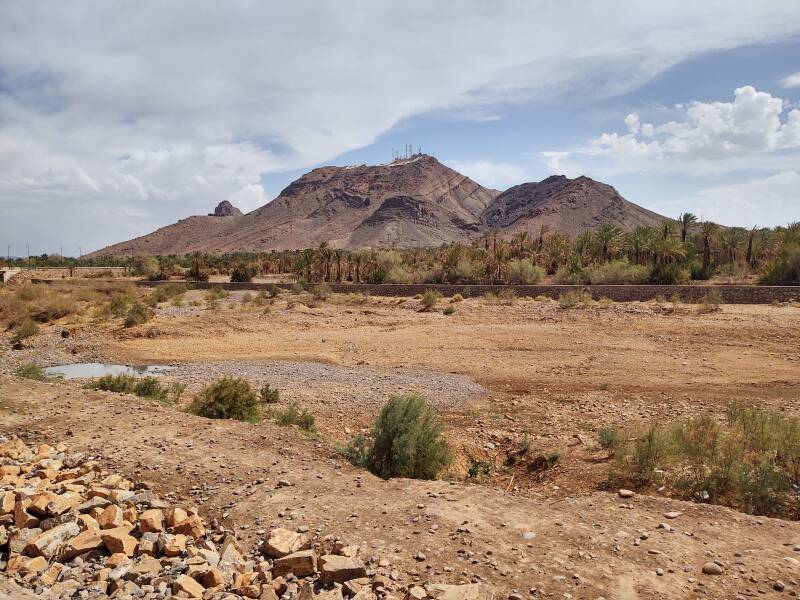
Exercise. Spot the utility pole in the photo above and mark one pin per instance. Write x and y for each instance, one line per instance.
(80, 252)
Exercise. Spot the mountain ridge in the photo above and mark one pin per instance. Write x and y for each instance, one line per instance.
(412, 202)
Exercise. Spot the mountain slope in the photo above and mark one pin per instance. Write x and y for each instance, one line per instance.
(407, 203)
(563, 204)
(412, 202)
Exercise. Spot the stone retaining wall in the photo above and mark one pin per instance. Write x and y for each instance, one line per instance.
(731, 294)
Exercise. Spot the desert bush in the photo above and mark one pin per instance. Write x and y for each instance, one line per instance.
(669, 274)
(297, 288)
(292, 415)
(247, 298)
(138, 314)
(507, 296)
(399, 274)
(784, 269)
(145, 266)
(710, 302)
(430, 299)
(321, 292)
(53, 309)
(456, 298)
(197, 269)
(524, 272)
(449, 310)
(28, 292)
(269, 394)
(227, 398)
(31, 371)
(166, 292)
(571, 275)
(608, 437)
(406, 441)
(118, 305)
(272, 290)
(617, 272)
(465, 270)
(146, 387)
(243, 272)
(217, 293)
(750, 461)
(575, 299)
(23, 331)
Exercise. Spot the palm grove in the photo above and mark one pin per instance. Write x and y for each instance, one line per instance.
(673, 252)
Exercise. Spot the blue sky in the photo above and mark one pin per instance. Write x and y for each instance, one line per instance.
(116, 119)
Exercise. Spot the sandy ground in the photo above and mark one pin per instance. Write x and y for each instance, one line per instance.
(499, 373)
(575, 546)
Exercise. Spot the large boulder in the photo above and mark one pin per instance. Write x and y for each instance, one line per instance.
(301, 564)
(338, 569)
(280, 542)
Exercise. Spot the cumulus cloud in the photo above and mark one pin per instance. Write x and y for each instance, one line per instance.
(768, 201)
(155, 109)
(756, 130)
(791, 81)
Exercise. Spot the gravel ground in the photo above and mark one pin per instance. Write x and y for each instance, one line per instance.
(337, 387)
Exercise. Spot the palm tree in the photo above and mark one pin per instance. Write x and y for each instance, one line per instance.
(686, 220)
(707, 230)
(667, 229)
(608, 239)
(638, 242)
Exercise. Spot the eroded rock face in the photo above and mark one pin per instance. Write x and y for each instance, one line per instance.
(226, 209)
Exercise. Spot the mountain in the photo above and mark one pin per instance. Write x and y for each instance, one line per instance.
(411, 202)
(563, 204)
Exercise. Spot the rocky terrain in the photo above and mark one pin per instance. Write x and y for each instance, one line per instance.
(568, 205)
(70, 529)
(413, 202)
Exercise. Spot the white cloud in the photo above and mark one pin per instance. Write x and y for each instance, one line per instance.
(791, 81)
(156, 109)
(764, 202)
(490, 174)
(711, 137)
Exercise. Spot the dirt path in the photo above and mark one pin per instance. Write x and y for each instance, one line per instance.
(582, 545)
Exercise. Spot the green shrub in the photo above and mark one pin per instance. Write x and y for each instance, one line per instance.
(243, 272)
(457, 298)
(750, 461)
(118, 305)
(407, 441)
(53, 309)
(669, 274)
(227, 398)
(575, 299)
(23, 331)
(247, 298)
(784, 269)
(608, 437)
(217, 293)
(269, 394)
(163, 293)
(449, 310)
(31, 371)
(507, 296)
(125, 384)
(321, 292)
(297, 288)
(524, 272)
(617, 272)
(571, 275)
(146, 387)
(138, 314)
(710, 302)
(292, 415)
(430, 299)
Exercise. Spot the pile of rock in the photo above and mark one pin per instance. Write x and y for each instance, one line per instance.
(68, 529)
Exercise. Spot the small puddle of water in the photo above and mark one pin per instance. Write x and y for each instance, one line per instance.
(81, 370)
